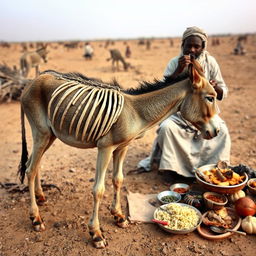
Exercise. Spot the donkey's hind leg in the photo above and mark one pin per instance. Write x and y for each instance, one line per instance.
(118, 159)
(41, 141)
(38, 187)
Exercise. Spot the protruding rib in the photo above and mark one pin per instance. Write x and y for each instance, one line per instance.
(93, 91)
(111, 119)
(89, 117)
(64, 96)
(99, 117)
(78, 108)
(106, 117)
(57, 91)
(76, 96)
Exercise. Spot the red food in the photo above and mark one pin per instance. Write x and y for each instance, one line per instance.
(217, 199)
(245, 206)
(180, 190)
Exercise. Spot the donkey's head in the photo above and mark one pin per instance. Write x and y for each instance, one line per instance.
(199, 106)
(43, 53)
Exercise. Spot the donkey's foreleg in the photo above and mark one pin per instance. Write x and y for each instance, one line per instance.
(103, 159)
(118, 159)
(40, 143)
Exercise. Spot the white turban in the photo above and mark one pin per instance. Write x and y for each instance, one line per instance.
(195, 31)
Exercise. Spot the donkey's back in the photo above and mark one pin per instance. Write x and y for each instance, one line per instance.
(32, 60)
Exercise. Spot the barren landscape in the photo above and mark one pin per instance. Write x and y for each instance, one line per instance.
(67, 212)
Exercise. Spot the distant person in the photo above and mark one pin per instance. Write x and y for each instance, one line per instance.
(148, 45)
(88, 51)
(239, 49)
(179, 147)
(171, 43)
(128, 51)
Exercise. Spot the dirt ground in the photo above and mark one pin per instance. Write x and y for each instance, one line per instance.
(72, 170)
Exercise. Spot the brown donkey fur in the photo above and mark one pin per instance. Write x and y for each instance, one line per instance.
(32, 60)
(87, 113)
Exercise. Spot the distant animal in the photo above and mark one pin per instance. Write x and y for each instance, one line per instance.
(128, 52)
(33, 59)
(87, 113)
(116, 56)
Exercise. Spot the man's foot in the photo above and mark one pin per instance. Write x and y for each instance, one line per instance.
(137, 171)
(168, 177)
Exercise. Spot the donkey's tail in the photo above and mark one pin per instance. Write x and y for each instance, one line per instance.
(24, 154)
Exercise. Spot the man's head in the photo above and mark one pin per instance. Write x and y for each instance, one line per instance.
(194, 41)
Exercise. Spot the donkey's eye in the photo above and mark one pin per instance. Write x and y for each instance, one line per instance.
(210, 98)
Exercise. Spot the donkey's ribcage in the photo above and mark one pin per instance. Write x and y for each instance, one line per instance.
(85, 111)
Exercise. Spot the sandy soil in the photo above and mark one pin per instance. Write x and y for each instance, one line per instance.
(67, 213)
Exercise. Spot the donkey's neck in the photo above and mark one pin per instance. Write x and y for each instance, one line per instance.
(155, 106)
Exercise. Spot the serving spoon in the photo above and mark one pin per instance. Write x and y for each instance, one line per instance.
(222, 230)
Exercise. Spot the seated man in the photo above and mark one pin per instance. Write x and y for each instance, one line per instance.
(178, 147)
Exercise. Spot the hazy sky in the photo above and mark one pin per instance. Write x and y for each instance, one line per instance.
(34, 20)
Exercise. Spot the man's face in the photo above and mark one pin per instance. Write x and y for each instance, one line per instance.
(193, 45)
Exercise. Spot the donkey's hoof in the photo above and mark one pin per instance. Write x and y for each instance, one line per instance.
(99, 243)
(38, 224)
(123, 224)
(39, 227)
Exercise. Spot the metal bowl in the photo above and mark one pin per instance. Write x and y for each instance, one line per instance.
(182, 186)
(175, 195)
(216, 188)
(181, 231)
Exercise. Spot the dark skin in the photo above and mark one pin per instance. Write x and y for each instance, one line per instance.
(193, 45)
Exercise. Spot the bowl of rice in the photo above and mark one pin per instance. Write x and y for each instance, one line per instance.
(181, 218)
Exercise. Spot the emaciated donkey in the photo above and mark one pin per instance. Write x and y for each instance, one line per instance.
(32, 59)
(116, 56)
(87, 113)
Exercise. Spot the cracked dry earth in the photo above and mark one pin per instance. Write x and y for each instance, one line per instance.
(72, 170)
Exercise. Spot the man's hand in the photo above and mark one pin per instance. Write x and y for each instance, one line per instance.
(213, 83)
(183, 62)
(217, 89)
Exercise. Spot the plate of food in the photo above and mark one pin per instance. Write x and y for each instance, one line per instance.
(220, 178)
(225, 218)
(177, 218)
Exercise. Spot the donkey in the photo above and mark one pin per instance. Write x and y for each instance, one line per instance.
(87, 113)
(116, 56)
(32, 59)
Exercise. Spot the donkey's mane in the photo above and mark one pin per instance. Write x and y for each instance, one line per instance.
(146, 87)
(78, 77)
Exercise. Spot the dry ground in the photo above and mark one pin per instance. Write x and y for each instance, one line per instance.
(67, 213)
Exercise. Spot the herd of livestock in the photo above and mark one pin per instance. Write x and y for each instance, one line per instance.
(13, 79)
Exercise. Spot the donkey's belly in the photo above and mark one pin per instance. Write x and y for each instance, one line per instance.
(72, 141)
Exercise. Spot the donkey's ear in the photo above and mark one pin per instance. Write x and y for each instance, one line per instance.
(194, 76)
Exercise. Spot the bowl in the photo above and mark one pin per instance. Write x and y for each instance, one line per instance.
(163, 213)
(180, 188)
(214, 201)
(217, 188)
(252, 189)
(166, 197)
(206, 232)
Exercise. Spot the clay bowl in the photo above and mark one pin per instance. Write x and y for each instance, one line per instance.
(207, 233)
(251, 189)
(216, 188)
(212, 204)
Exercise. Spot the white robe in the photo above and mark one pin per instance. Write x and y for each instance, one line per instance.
(179, 145)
